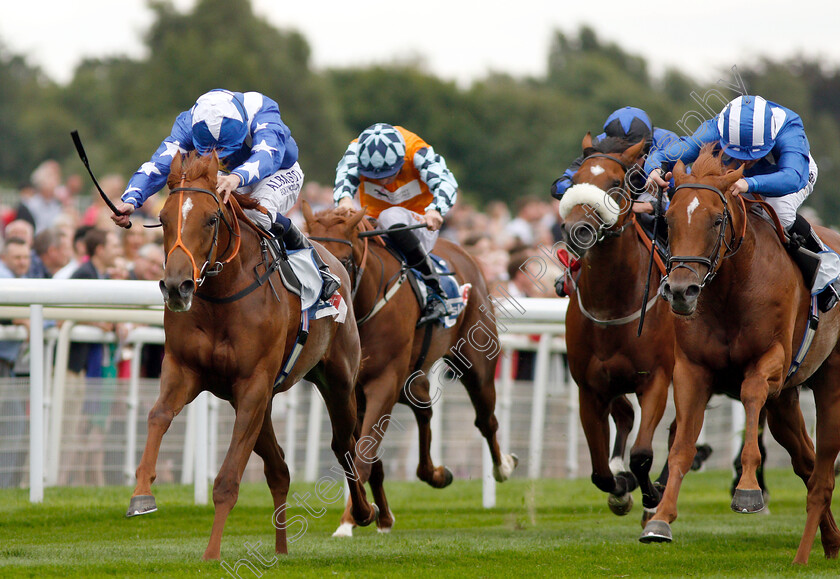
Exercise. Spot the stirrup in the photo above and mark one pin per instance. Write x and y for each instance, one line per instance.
(828, 298)
(434, 311)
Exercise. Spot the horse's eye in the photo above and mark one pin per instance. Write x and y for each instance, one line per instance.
(718, 220)
(213, 221)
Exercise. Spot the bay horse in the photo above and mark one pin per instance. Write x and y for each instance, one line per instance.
(230, 325)
(606, 358)
(741, 309)
(398, 357)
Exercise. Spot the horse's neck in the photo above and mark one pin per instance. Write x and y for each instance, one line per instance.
(380, 267)
(614, 270)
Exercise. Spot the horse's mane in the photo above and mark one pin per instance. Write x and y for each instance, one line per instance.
(708, 163)
(195, 166)
(339, 215)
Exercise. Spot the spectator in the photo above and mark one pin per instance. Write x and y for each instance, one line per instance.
(21, 229)
(148, 264)
(52, 250)
(79, 255)
(45, 205)
(132, 240)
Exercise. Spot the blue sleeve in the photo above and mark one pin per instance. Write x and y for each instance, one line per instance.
(151, 176)
(685, 149)
(272, 146)
(790, 173)
(560, 185)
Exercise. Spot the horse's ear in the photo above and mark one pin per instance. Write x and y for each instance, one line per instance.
(731, 176)
(587, 141)
(632, 153)
(679, 170)
(213, 166)
(306, 210)
(175, 169)
(355, 219)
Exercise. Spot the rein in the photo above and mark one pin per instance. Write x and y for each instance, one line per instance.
(716, 255)
(199, 274)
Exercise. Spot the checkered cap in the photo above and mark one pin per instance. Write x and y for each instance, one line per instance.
(381, 151)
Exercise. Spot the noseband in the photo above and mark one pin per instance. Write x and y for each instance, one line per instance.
(607, 232)
(715, 256)
(206, 270)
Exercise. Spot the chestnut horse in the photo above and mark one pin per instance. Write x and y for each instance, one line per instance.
(398, 357)
(606, 358)
(229, 333)
(741, 311)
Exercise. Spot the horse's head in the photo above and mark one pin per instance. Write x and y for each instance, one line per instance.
(701, 228)
(338, 230)
(192, 217)
(598, 205)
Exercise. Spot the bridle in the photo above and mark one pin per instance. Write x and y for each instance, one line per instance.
(355, 271)
(732, 246)
(207, 270)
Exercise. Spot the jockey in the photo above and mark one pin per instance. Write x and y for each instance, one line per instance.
(631, 124)
(401, 180)
(770, 140)
(259, 157)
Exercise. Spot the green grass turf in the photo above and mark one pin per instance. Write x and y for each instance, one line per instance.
(550, 528)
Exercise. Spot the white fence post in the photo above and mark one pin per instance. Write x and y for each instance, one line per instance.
(313, 434)
(538, 407)
(36, 403)
(201, 404)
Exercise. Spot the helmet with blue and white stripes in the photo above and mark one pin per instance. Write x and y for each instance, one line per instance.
(748, 126)
(381, 151)
(219, 123)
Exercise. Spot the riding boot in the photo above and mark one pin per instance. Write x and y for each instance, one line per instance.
(805, 247)
(409, 244)
(294, 239)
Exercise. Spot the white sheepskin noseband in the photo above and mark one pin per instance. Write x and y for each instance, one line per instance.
(588, 194)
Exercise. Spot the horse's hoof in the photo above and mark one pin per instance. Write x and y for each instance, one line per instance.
(620, 505)
(385, 526)
(141, 505)
(747, 501)
(647, 515)
(448, 477)
(509, 463)
(344, 530)
(656, 532)
(374, 516)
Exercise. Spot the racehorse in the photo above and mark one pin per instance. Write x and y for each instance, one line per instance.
(741, 310)
(230, 325)
(399, 358)
(606, 358)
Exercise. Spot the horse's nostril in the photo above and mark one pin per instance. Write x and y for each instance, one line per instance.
(692, 291)
(582, 235)
(186, 288)
(666, 290)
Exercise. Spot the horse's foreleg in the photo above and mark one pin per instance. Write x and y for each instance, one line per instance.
(250, 403)
(177, 388)
(379, 403)
(420, 402)
(765, 375)
(622, 414)
(341, 405)
(593, 417)
(277, 477)
(821, 483)
(692, 390)
(479, 380)
(652, 400)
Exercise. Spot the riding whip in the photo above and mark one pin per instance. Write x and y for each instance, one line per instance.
(657, 212)
(81, 150)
